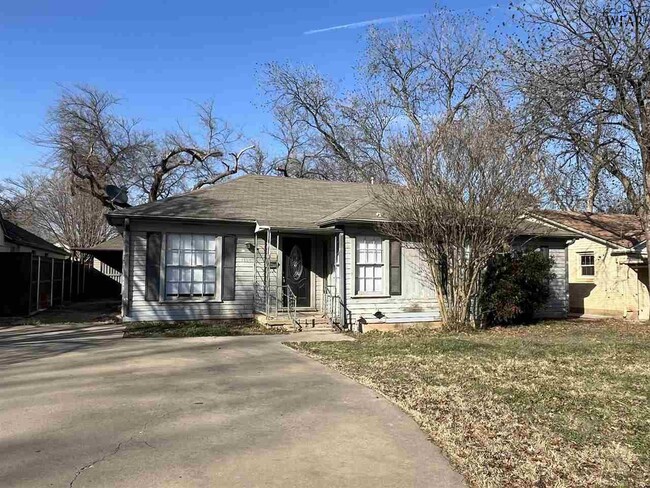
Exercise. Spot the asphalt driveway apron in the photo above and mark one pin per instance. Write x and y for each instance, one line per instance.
(80, 406)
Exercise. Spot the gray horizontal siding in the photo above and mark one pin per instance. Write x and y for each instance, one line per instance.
(417, 302)
(241, 307)
(558, 305)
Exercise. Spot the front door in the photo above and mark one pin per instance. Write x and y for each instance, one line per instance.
(296, 255)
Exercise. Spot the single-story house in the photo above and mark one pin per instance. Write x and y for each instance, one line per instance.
(267, 247)
(607, 263)
(32, 271)
(14, 238)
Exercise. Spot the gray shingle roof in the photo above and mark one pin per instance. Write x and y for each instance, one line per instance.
(23, 237)
(276, 201)
(365, 209)
(113, 244)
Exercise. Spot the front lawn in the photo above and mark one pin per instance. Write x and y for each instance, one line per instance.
(198, 329)
(562, 403)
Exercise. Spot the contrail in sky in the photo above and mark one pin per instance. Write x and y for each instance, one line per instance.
(365, 23)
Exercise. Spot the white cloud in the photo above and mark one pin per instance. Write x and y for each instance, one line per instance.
(365, 23)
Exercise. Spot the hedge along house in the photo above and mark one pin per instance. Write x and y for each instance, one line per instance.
(607, 263)
(283, 250)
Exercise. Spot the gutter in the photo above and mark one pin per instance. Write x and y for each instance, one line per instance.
(326, 223)
(114, 219)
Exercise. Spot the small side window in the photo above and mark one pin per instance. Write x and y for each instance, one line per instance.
(587, 265)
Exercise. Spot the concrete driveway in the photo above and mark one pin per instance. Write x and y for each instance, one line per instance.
(80, 406)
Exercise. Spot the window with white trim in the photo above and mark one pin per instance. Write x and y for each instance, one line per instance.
(369, 265)
(587, 265)
(190, 266)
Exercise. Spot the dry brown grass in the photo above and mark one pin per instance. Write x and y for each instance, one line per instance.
(555, 404)
(199, 328)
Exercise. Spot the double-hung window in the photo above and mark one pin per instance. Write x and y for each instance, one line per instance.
(369, 265)
(587, 265)
(190, 266)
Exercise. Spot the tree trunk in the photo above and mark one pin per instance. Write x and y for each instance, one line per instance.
(594, 174)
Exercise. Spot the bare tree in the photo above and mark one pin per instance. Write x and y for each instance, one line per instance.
(467, 186)
(302, 154)
(426, 115)
(582, 71)
(257, 161)
(308, 113)
(183, 161)
(89, 141)
(49, 207)
(410, 79)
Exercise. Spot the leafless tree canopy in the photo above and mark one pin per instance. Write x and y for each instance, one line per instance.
(89, 142)
(97, 147)
(468, 184)
(409, 80)
(46, 206)
(581, 69)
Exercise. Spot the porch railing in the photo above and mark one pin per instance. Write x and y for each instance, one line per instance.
(334, 309)
(280, 300)
(292, 302)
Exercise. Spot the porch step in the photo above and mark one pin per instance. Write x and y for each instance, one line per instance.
(307, 322)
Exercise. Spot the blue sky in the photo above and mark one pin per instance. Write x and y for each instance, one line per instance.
(160, 55)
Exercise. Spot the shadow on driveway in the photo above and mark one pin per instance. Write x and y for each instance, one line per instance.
(30, 342)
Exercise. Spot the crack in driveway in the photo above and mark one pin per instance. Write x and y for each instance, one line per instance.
(96, 461)
(141, 432)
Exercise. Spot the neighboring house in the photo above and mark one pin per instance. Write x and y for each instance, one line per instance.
(16, 239)
(608, 265)
(33, 271)
(258, 246)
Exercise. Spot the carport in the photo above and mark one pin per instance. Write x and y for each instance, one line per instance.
(108, 252)
(106, 269)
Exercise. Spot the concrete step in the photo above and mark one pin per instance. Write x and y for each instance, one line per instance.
(308, 320)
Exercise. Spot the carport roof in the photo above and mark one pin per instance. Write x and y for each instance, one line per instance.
(113, 244)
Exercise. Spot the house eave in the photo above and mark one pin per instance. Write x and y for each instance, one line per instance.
(576, 231)
(329, 223)
(117, 220)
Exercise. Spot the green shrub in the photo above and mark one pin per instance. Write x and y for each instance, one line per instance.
(515, 285)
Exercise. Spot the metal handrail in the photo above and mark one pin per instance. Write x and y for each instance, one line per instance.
(333, 305)
(329, 306)
(292, 302)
